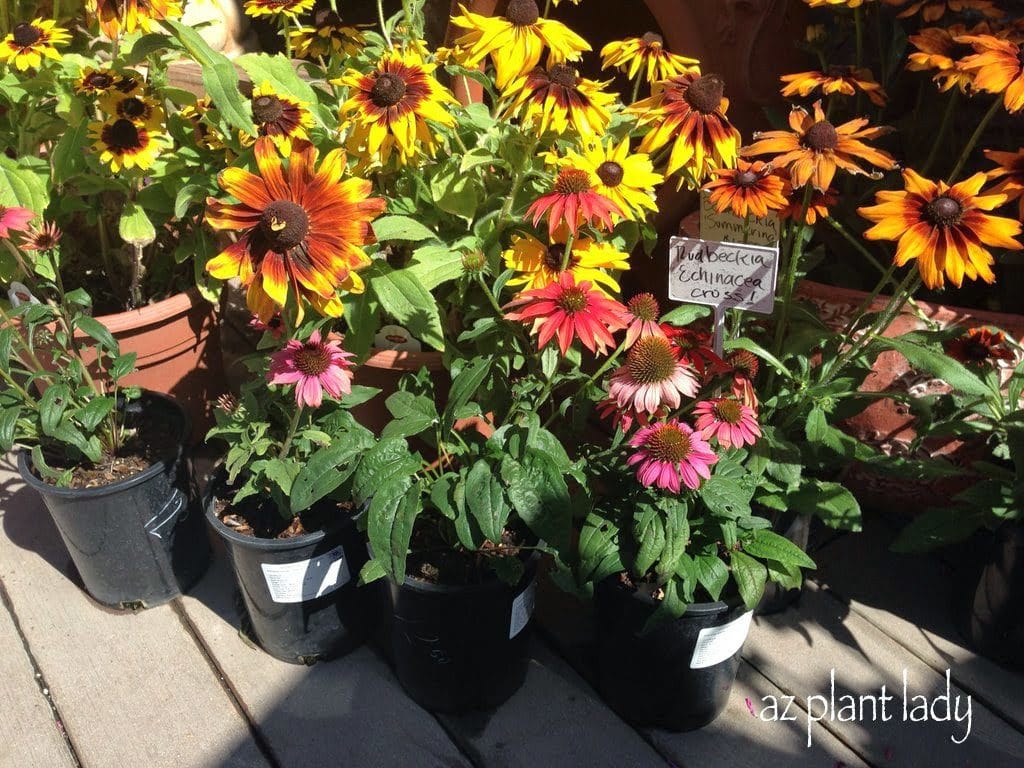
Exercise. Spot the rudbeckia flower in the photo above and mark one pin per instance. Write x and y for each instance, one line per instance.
(572, 201)
(123, 144)
(206, 136)
(668, 452)
(326, 37)
(729, 421)
(945, 228)
(391, 107)
(626, 178)
(843, 3)
(29, 42)
(290, 9)
(749, 189)
(998, 67)
(979, 347)
(938, 49)
(689, 112)
(302, 230)
(816, 148)
(314, 367)
(557, 99)
(137, 107)
(95, 81)
(516, 40)
(652, 378)
(817, 207)
(280, 118)
(538, 265)
(1010, 174)
(126, 16)
(846, 80)
(646, 53)
(933, 10)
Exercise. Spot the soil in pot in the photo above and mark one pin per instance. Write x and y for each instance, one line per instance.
(132, 525)
(297, 577)
(678, 676)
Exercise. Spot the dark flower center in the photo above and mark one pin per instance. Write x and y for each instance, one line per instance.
(563, 75)
(653, 38)
(132, 107)
(327, 18)
(745, 362)
(573, 300)
(99, 80)
(668, 444)
(123, 134)
(651, 360)
(728, 411)
(821, 136)
(610, 173)
(522, 13)
(644, 307)
(25, 34)
(285, 224)
(572, 181)
(128, 83)
(312, 359)
(555, 255)
(944, 211)
(705, 93)
(977, 350)
(746, 179)
(388, 90)
(267, 109)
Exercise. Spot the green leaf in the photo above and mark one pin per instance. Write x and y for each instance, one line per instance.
(816, 428)
(134, 225)
(464, 386)
(281, 75)
(685, 314)
(187, 196)
(68, 153)
(486, 501)
(359, 395)
(94, 412)
(831, 502)
(412, 413)
(123, 365)
(52, 405)
(8, 421)
(712, 574)
(938, 527)
(281, 472)
(435, 264)
(6, 344)
(598, 550)
(390, 520)
(93, 328)
(400, 228)
(750, 577)
(767, 544)
(404, 298)
(954, 373)
(540, 497)
(22, 187)
(387, 461)
(649, 534)
(677, 535)
(371, 571)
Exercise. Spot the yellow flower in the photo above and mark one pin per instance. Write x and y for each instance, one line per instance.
(540, 265)
(94, 81)
(122, 144)
(998, 67)
(627, 179)
(833, 3)
(117, 16)
(291, 9)
(28, 43)
(557, 99)
(326, 37)
(138, 108)
(846, 80)
(646, 53)
(278, 117)
(206, 136)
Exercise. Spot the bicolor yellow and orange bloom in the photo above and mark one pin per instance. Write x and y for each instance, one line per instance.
(30, 42)
(328, 36)
(117, 17)
(206, 135)
(646, 54)
(290, 9)
(938, 49)
(515, 41)
(749, 189)
(1010, 176)
(123, 144)
(814, 148)
(817, 206)
(558, 100)
(301, 230)
(946, 229)
(933, 10)
(846, 80)
(391, 108)
(689, 113)
(538, 265)
(96, 81)
(280, 118)
(998, 67)
(137, 107)
(837, 3)
(626, 178)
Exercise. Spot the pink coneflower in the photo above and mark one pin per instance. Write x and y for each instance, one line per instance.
(274, 326)
(745, 366)
(44, 238)
(314, 367)
(652, 377)
(669, 451)
(568, 310)
(14, 220)
(573, 201)
(642, 314)
(730, 421)
(627, 417)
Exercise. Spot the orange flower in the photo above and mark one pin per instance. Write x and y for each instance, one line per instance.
(945, 228)
(933, 10)
(815, 148)
(999, 68)
(817, 206)
(938, 49)
(846, 80)
(1011, 171)
(978, 347)
(749, 189)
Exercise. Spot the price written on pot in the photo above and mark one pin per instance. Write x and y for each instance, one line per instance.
(723, 275)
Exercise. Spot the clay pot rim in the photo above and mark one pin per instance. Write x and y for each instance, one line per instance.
(154, 314)
(402, 360)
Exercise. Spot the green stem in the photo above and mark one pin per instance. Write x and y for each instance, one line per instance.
(974, 139)
(940, 137)
(518, 179)
(636, 87)
(293, 427)
(858, 23)
(789, 280)
(383, 23)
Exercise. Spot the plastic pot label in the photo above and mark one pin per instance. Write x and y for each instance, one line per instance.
(716, 644)
(307, 579)
(522, 610)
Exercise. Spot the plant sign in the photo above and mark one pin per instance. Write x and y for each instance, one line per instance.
(726, 226)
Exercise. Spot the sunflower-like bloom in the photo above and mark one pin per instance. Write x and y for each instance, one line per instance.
(626, 178)
(126, 16)
(304, 229)
(749, 189)
(390, 107)
(290, 9)
(815, 148)
(933, 10)
(938, 49)
(98, 81)
(689, 111)
(945, 228)
(979, 347)
(557, 99)
(206, 136)
(539, 265)
(137, 107)
(123, 144)
(30, 42)
(280, 118)
(845, 80)
(998, 67)
(515, 41)
(1010, 174)
(573, 201)
(327, 36)
(646, 53)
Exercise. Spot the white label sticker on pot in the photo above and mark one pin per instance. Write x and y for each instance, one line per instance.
(307, 579)
(716, 644)
(522, 610)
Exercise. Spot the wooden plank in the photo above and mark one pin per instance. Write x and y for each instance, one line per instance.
(801, 649)
(132, 689)
(908, 598)
(554, 719)
(348, 711)
(29, 735)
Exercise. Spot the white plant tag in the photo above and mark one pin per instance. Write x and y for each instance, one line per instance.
(522, 610)
(716, 644)
(723, 275)
(307, 579)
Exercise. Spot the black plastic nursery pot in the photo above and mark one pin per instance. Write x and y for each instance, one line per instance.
(300, 592)
(679, 675)
(139, 542)
(460, 648)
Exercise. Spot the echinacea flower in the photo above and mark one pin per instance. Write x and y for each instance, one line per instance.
(328, 36)
(515, 41)
(998, 67)
(933, 10)
(304, 230)
(557, 99)
(727, 420)
(694, 348)
(572, 201)
(126, 16)
(125, 145)
(42, 238)
(938, 49)
(668, 452)
(538, 265)
(1010, 172)
(688, 112)
(745, 366)
(642, 312)
(979, 347)
(136, 107)
(846, 80)
(14, 219)
(945, 228)
(567, 310)
(749, 189)
(280, 118)
(29, 42)
(646, 53)
(392, 106)
(815, 148)
(314, 367)
(653, 377)
(626, 178)
(289, 9)
(625, 418)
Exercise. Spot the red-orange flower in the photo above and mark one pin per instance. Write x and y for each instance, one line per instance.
(1011, 175)
(573, 201)
(817, 206)
(979, 346)
(998, 67)
(750, 188)
(933, 10)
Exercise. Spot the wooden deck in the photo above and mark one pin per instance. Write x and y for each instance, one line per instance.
(180, 687)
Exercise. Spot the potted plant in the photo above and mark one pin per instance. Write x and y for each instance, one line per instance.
(108, 459)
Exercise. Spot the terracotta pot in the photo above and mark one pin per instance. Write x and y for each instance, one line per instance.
(383, 369)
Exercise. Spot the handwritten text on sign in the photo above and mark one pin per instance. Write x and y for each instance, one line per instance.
(725, 275)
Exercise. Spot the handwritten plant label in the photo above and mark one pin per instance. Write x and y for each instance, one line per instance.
(723, 275)
(728, 227)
